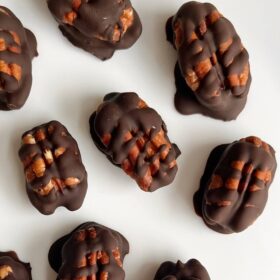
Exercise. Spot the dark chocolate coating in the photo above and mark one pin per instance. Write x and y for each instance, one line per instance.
(18, 46)
(55, 174)
(192, 270)
(234, 187)
(11, 268)
(91, 250)
(99, 27)
(134, 137)
(212, 74)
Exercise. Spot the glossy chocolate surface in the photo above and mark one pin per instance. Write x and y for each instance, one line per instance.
(212, 74)
(99, 27)
(11, 268)
(234, 187)
(18, 46)
(134, 137)
(91, 251)
(55, 174)
(192, 270)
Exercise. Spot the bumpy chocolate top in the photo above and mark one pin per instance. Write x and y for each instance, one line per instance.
(11, 268)
(55, 174)
(91, 251)
(234, 187)
(213, 72)
(99, 27)
(17, 48)
(192, 270)
(134, 137)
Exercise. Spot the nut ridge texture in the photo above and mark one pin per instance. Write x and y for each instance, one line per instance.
(234, 187)
(91, 251)
(212, 74)
(54, 172)
(18, 46)
(99, 27)
(134, 137)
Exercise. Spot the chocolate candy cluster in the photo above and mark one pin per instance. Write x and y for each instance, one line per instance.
(54, 172)
(11, 268)
(91, 251)
(18, 46)
(134, 137)
(99, 27)
(234, 187)
(213, 73)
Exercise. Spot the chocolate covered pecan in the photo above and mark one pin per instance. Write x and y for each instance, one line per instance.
(99, 27)
(192, 270)
(213, 72)
(17, 48)
(134, 137)
(11, 268)
(91, 251)
(234, 187)
(54, 172)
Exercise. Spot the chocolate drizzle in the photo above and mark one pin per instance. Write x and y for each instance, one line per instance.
(213, 73)
(17, 49)
(134, 137)
(234, 187)
(99, 27)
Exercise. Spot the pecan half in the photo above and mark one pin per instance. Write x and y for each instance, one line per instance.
(91, 251)
(234, 188)
(134, 137)
(99, 27)
(17, 49)
(55, 175)
(213, 68)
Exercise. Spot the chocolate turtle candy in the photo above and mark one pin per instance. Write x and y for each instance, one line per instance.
(17, 49)
(11, 268)
(55, 174)
(192, 270)
(91, 251)
(234, 187)
(99, 27)
(134, 137)
(213, 73)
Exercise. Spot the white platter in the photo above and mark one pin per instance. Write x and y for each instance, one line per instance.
(69, 83)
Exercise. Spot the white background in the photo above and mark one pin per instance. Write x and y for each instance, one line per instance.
(69, 84)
